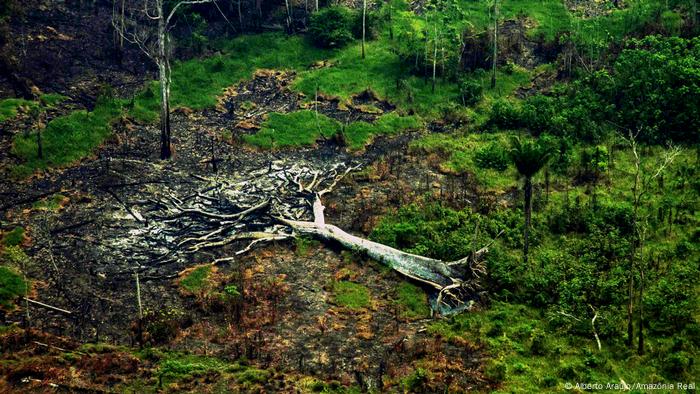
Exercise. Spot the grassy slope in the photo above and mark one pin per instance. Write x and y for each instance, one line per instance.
(66, 139)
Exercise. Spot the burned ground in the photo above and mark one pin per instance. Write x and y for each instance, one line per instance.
(84, 255)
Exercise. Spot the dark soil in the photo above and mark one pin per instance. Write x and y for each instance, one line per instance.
(287, 319)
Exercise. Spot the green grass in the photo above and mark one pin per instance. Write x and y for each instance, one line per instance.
(9, 107)
(458, 156)
(351, 295)
(196, 83)
(298, 128)
(66, 139)
(13, 237)
(413, 301)
(52, 99)
(52, 203)
(11, 286)
(176, 367)
(359, 134)
(379, 71)
(550, 16)
(196, 280)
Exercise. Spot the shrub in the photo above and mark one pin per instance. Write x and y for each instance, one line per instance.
(11, 286)
(496, 370)
(471, 92)
(14, 237)
(538, 343)
(492, 156)
(416, 381)
(331, 27)
(505, 115)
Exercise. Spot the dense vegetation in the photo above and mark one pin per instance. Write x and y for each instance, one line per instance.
(579, 155)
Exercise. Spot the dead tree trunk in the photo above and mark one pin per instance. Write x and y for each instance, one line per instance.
(283, 202)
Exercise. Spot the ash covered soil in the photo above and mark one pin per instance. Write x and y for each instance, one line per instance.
(86, 251)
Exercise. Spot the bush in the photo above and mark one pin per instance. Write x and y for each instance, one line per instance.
(471, 92)
(492, 156)
(331, 27)
(496, 370)
(417, 380)
(14, 237)
(505, 115)
(538, 343)
(11, 286)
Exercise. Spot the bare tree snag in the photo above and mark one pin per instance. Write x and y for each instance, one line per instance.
(154, 41)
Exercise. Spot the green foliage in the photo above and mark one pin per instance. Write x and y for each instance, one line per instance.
(496, 370)
(434, 230)
(293, 129)
(434, 39)
(332, 27)
(672, 299)
(416, 381)
(528, 156)
(672, 22)
(594, 161)
(471, 92)
(52, 203)
(505, 115)
(413, 301)
(359, 134)
(196, 280)
(13, 237)
(304, 245)
(651, 89)
(11, 286)
(371, 24)
(197, 82)
(351, 295)
(9, 107)
(232, 291)
(67, 138)
(657, 86)
(492, 156)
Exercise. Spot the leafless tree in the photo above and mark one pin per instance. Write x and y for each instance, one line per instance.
(641, 187)
(149, 28)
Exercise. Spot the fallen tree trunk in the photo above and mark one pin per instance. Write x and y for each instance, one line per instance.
(434, 272)
(285, 202)
(448, 278)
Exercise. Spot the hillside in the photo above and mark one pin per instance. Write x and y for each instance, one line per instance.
(402, 196)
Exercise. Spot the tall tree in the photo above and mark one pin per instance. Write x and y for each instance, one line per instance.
(495, 43)
(529, 158)
(149, 29)
(644, 178)
(364, 26)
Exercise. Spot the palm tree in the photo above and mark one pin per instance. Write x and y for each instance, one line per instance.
(529, 158)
